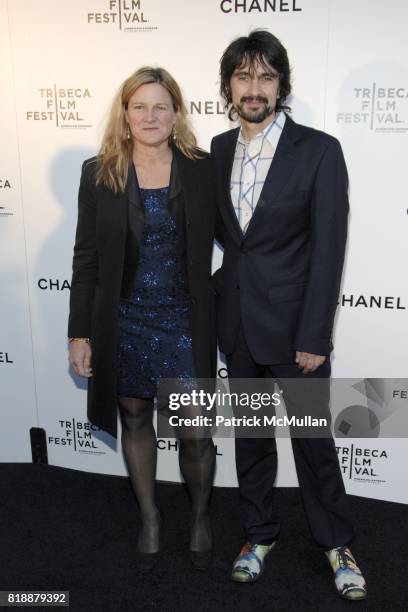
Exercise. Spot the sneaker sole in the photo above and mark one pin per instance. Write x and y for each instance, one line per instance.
(359, 592)
(245, 581)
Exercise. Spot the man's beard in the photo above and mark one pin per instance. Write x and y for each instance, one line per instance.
(256, 116)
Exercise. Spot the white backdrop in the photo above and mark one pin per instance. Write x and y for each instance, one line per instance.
(61, 64)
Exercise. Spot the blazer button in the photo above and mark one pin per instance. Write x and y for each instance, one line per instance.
(193, 301)
(188, 223)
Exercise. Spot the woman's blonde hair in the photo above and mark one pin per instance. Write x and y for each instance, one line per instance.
(116, 148)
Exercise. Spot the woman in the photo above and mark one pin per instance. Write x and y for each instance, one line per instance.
(141, 303)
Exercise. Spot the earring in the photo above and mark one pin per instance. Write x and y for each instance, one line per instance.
(174, 134)
(128, 133)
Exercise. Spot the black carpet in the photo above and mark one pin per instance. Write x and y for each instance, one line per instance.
(69, 530)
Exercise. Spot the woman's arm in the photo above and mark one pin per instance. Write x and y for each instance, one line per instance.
(84, 275)
(85, 260)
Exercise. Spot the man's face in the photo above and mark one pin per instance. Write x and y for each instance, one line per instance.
(254, 90)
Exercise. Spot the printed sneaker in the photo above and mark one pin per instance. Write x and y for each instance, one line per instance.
(249, 564)
(348, 578)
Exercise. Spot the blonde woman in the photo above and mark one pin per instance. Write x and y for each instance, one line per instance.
(141, 305)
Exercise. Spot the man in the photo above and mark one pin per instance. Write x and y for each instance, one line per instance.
(282, 196)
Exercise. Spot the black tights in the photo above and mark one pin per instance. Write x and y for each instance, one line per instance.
(197, 463)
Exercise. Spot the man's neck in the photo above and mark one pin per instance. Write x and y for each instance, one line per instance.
(250, 130)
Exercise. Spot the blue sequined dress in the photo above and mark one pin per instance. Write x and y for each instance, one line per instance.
(154, 329)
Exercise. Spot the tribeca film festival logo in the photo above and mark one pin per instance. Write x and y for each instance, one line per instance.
(359, 463)
(383, 398)
(77, 435)
(5, 187)
(63, 106)
(260, 6)
(381, 109)
(126, 15)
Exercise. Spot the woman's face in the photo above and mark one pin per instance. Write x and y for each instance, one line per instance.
(150, 114)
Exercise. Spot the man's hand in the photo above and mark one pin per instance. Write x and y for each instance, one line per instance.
(80, 357)
(309, 362)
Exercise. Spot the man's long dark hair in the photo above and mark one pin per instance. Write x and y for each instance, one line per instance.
(259, 46)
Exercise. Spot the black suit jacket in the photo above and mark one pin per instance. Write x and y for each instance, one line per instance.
(282, 277)
(109, 232)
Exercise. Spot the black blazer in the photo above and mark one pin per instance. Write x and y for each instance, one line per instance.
(109, 231)
(282, 277)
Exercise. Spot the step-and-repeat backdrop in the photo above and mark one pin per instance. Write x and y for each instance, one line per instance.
(61, 63)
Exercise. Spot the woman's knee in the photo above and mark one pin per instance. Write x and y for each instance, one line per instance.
(136, 415)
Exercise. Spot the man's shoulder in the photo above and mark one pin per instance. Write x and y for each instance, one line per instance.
(310, 135)
(297, 130)
(225, 137)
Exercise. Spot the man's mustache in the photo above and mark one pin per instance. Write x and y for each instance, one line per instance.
(254, 99)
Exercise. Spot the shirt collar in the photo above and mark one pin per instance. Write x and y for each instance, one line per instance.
(271, 132)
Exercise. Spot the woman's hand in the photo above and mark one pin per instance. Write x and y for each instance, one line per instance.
(80, 357)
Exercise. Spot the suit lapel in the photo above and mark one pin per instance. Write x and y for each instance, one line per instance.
(282, 166)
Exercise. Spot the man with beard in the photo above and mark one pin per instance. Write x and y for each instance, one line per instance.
(283, 203)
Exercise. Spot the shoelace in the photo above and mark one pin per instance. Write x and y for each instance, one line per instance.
(247, 550)
(345, 561)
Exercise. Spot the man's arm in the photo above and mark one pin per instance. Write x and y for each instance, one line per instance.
(329, 213)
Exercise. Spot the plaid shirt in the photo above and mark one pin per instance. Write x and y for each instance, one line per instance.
(252, 161)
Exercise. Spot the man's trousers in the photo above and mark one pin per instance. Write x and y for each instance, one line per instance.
(316, 461)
